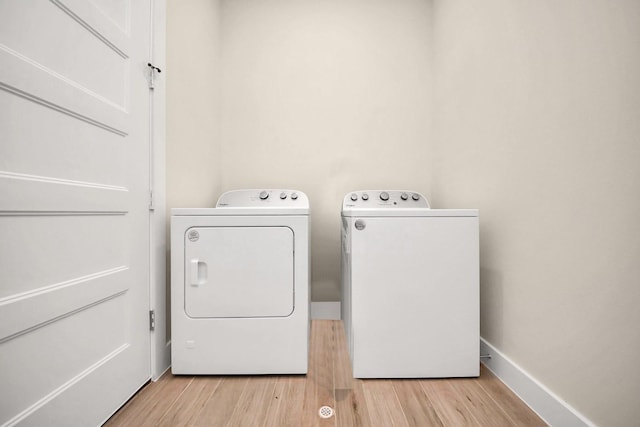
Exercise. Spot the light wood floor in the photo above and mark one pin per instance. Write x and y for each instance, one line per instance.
(295, 400)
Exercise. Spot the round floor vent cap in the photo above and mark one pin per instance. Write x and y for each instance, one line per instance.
(325, 412)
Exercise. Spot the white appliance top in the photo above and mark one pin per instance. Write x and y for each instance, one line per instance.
(254, 202)
(394, 203)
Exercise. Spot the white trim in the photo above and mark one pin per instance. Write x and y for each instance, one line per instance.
(550, 407)
(325, 310)
(160, 344)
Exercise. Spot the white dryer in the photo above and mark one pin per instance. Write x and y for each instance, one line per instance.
(240, 285)
(410, 284)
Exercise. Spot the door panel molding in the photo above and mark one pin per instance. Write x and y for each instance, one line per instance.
(30, 193)
(108, 32)
(19, 75)
(25, 312)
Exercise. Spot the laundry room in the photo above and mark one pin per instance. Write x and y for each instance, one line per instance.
(520, 116)
(527, 111)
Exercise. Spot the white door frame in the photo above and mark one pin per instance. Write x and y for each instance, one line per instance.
(160, 345)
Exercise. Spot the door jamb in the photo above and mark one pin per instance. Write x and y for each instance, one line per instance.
(160, 350)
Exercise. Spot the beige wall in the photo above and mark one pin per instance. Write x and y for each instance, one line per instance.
(537, 123)
(193, 103)
(535, 120)
(322, 96)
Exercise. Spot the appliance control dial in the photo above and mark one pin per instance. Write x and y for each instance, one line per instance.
(294, 196)
(384, 199)
(264, 195)
(283, 195)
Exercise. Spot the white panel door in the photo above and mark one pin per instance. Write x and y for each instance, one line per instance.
(74, 219)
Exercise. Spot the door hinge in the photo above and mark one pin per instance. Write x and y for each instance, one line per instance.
(151, 206)
(152, 320)
(152, 74)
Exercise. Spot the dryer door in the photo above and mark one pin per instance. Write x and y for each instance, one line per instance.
(239, 272)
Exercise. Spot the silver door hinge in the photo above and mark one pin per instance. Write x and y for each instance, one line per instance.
(151, 206)
(152, 320)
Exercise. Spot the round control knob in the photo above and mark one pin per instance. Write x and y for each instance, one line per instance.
(384, 196)
(404, 196)
(354, 197)
(283, 195)
(365, 196)
(264, 195)
(415, 196)
(294, 196)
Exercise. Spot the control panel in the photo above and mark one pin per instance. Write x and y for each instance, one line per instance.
(385, 199)
(265, 198)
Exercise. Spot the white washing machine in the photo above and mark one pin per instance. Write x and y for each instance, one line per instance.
(410, 284)
(240, 285)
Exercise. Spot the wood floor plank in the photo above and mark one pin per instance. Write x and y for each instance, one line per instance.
(287, 402)
(383, 404)
(351, 406)
(520, 413)
(252, 407)
(129, 409)
(448, 404)
(342, 373)
(319, 385)
(148, 408)
(221, 404)
(185, 410)
(416, 405)
(483, 407)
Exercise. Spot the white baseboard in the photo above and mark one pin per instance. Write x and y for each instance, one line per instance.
(543, 401)
(325, 310)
